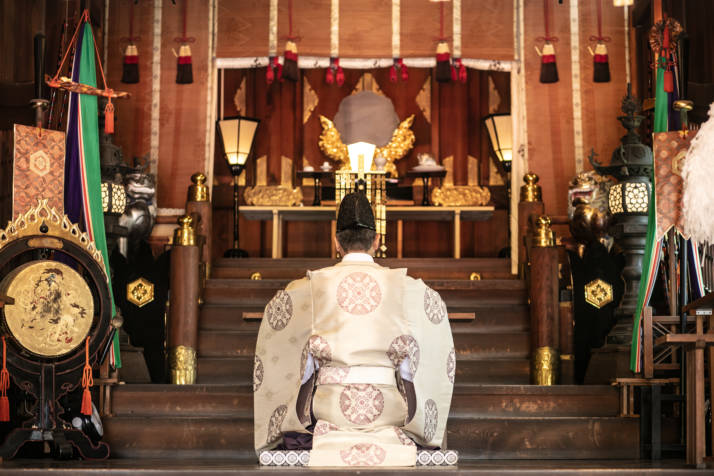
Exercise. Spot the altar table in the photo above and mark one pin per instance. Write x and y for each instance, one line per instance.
(279, 215)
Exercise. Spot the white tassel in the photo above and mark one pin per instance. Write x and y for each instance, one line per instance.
(698, 170)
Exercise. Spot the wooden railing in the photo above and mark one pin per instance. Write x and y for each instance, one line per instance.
(190, 267)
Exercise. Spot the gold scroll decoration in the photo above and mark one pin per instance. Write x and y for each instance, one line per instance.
(368, 83)
(402, 141)
(273, 195)
(309, 99)
(460, 196)
(598, 293)
(53, 309)
(239, 98)
(423, 99)
(182, 365)
(140, 292)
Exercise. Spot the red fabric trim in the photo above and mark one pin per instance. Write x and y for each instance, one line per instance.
(601, 58)
(547, 59)
(443, 56)
(131, 59)
(184, 60)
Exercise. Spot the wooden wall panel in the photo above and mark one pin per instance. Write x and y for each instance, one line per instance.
(133, 115)
(602, 101)
(182, 131)
(365, 28)
(550, 108)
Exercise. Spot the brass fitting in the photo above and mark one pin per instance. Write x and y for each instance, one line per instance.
(531, 192)
(184, 234)
(198, 190)
(182, 365)
(543, 236)
(545, 366)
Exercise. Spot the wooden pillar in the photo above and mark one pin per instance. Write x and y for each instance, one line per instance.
(198, 206)
(543, 290)
(183, 304)
(530, 204)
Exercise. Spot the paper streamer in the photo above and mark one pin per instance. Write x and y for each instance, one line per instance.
(577, 96)
(155, 90)
(396, 32)
(273, 29)
(456, 27)
(335, 29)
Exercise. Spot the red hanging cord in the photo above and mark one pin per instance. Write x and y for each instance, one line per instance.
(599, 37)
(546, 16)
(184, 38)
(85, 16)
(290, 20)
(4, 385)
(87, 382)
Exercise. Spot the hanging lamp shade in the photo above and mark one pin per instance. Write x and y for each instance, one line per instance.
(237, 135)
(500, 134)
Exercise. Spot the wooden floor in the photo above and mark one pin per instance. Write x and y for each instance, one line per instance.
(232, 467)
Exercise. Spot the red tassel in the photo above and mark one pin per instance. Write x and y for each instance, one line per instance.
(269, 73)
(109, 116)
(87, 382)
(4, 386)
(340, 76)
(668, 81)
(130, 69)
(329, 76)
(278, 70)
(454, 74)
(405, 72)
(393, 73)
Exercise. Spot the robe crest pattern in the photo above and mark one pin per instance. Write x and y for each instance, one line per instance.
(363, 454)
(434, 307)
(257, 373)
(279, 310)
(359, 294)
(361, 404)
(404, 346)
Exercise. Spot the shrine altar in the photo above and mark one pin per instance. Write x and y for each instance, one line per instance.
(280, 214)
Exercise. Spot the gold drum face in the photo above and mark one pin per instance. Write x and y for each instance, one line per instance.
(53, 310)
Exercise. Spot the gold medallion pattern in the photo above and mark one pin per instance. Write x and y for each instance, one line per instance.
(598, 293)
(140, 292)
(53, 310)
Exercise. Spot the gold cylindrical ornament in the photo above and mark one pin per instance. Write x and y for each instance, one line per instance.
(543, 236)
(198, 190)
(531, 192)
(184, 234)
(545, 364)
(182, 365)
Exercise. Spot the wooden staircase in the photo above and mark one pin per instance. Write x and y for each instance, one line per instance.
(495, 414)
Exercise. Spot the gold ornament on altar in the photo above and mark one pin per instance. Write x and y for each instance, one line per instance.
(460, 196)
(598, 293)
(401, 143)
(273, 195)
(182, 365)
(53, 310)
(545, 366)
(140, 292)
(43, 220)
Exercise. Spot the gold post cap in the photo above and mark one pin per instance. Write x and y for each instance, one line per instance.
(531, 192)
(545, 366)
(543, 237)
(182, 365)
(198, 190)
(683, 105)
(184, 234)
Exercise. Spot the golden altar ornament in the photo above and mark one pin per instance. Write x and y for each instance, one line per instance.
(460, 196)
(273, 195)
(140, 292)
(53, 310)
(545, 366)
(182, 365)
(401, 143)
(598, 293)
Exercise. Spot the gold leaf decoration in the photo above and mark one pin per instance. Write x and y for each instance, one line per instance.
(331, 144)
(368, 83)
(423, 99)
(273, 195)
(239, 98)
(401, 143)
(460, 196)
(309, 99)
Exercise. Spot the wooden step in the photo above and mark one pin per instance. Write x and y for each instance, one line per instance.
(469, 401)
(474, 438)
(513, 318)
(424, 268)
(239, 371)
(482, 401)
(468, 345)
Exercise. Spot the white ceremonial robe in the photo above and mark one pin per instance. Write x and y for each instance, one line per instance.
(359, 321)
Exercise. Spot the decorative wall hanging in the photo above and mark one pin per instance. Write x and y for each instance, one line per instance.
(601, 66)
(130, 64)
(548, 68)
(38, 169)
(664, 36)
(334, 73)
(184, 67)
(444, 67)
(398, 65)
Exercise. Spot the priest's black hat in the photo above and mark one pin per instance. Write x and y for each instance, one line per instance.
(355, 213)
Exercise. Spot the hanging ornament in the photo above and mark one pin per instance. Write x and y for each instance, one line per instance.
(63, 82)
(4, 386)
(397, 61)
(548, 68)
(601, 65)
(443, 71)
(334, 73)
(458, 71)
(130, 66)
(274, 71)
(290, 56)
(663, 37)
(184, 68)
(87, 382)
(397, 67)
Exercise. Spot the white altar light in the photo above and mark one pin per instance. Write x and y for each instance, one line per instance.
(361, 155)
(500, 133)
(629, 197)
(623, 3)
(237, 134)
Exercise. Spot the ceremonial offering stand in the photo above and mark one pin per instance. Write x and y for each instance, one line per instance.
(317, 175)
(55, 326)
(425, 176)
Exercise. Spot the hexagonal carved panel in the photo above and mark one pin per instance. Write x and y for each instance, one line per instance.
(140, 292)
(598, 293)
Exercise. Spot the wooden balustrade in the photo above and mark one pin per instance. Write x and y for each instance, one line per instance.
(190, 267)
